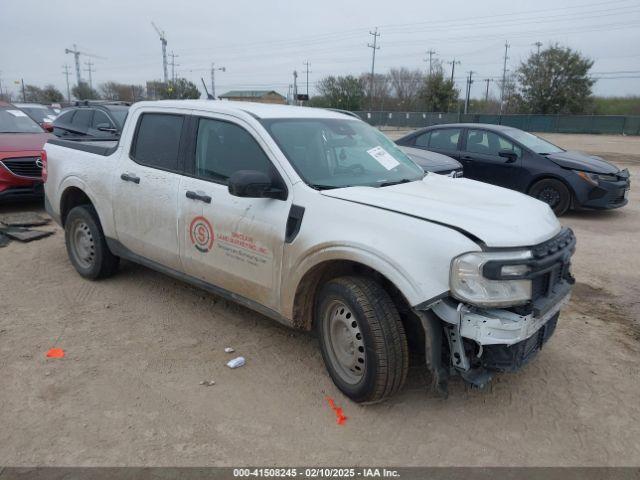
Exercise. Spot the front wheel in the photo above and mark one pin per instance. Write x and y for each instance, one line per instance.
(554, 193)
(362, 338)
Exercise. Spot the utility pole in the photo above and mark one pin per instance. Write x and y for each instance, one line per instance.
(163, 40)
(453, 64)
(66, 73)
(295, 87)
(431, 53)
(504, 74)
(289, 94)
(76, 58)
(538, 44)
(24, 95)
(173, 66)
(213, 78)
(89, 70)
(486, 95)
(374, 46)
(469, 82)
(307, 71)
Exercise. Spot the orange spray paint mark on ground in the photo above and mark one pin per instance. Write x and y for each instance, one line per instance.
(55, 353)
(340, 418)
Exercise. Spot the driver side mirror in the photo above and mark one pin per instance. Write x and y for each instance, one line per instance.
(254, 184)
(509, 155)
(47, 126)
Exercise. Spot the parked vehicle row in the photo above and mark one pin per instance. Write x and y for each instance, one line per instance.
(91, 120)
(317, 220)
(521, 161)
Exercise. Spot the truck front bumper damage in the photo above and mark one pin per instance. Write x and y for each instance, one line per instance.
(484, 341)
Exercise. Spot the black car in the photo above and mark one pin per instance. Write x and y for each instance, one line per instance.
(434, 162)
(521, 161)
(89, 120)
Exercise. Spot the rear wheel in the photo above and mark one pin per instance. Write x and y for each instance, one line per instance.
(362, 338)
(86, 245)
(554, 193)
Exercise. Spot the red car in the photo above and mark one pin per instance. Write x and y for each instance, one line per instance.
(21, 154)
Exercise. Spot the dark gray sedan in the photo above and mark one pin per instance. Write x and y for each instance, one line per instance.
(434, 162)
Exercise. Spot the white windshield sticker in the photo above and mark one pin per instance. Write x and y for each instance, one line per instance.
(383, 157)
(17, 113)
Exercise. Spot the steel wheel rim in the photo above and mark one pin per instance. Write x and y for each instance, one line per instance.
(550, 196)
(344, 342)
(82, 244)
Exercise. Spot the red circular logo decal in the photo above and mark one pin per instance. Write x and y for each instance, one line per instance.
(201, 234)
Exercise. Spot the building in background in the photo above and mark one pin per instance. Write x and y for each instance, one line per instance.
(259, 96)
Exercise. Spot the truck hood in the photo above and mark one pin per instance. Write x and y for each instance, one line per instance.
(582, 161)
(18, 142)
(496, 216)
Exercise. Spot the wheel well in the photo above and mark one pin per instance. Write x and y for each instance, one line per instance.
(72, 197)
(550, 177)
(305, 298)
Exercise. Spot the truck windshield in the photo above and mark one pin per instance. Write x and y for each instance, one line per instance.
(13, 120)
(534, 143)
(335, 153)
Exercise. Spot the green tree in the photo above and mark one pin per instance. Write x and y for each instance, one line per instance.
(342, 92)
(32, 94)
(438, 93)
(181, 89)
(51, 94)
(556, 80)
(83, 91)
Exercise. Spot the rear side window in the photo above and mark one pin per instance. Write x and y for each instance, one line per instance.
(223, 148)
(65, 117)
(446, 139)
(100, 118)
(423, 140)
(83, 118)
(157, 141)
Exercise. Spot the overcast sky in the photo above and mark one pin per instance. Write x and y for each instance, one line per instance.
(262, 42)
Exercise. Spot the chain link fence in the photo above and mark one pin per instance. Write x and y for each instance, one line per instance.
(594, 124)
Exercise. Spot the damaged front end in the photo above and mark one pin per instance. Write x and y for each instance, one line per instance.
(503, 307)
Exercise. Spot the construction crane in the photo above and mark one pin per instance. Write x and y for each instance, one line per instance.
(76, 57)
(163, 40)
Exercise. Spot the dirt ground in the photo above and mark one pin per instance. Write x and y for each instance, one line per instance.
(138, 345)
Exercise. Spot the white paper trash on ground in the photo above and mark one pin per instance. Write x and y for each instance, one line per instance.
(236, 362)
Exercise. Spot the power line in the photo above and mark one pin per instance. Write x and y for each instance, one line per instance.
(307, 71)
(173, 65)
(66, 73)
(504, 74)
(453, 64)
(374, 46)
(469, 82)
(89, 70)
(431, 52)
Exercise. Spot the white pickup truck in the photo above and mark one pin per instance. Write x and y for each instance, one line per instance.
(317, 220)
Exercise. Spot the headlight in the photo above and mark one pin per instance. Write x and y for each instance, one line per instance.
(594, 178)
(468, 284)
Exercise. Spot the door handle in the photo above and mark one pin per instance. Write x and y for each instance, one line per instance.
(198, 196)
(130, 178)
(467, 157)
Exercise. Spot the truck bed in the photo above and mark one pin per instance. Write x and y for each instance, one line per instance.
(98, 147)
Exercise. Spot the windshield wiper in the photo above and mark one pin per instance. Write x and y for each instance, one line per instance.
(326, 187)
(397, 182)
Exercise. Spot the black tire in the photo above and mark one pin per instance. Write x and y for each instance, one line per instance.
(86, 245)
(382, 346)
(554, 193)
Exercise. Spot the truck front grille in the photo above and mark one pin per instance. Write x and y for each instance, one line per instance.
(23, 166)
